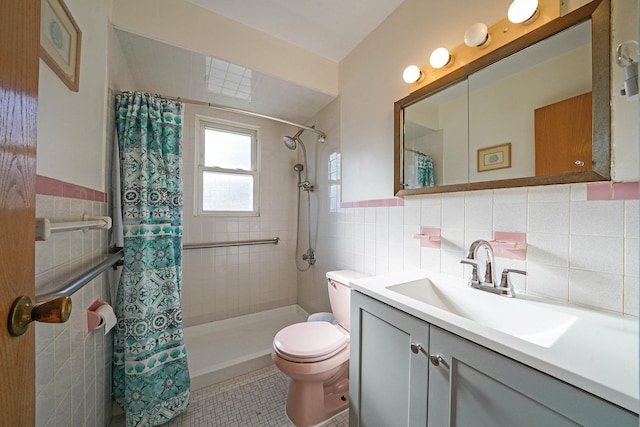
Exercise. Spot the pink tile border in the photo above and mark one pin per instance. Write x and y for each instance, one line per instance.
(53, 187)
(626, 191)
(599, 191)
(613, 191)
(377, 203)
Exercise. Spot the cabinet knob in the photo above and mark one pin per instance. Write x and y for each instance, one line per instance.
(416, 348)
(436, 359)
(579, 163)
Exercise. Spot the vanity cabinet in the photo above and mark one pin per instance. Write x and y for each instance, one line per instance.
(387, 381)
(453, 382)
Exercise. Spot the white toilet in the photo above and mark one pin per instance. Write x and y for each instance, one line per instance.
(315, 355)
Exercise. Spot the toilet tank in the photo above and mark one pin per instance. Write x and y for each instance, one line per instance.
(340, 294)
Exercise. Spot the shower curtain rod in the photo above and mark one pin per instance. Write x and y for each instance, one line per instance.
(240, 111)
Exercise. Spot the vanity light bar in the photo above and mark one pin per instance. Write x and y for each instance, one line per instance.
(530, 14)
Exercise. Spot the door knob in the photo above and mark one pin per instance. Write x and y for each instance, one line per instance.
(23, 312)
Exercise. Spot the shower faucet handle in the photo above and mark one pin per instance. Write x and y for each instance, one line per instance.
(310, 256)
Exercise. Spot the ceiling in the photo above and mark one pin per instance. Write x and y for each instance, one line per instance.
(172, 71)
(329, 28)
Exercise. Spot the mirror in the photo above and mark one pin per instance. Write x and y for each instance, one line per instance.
(534, 112)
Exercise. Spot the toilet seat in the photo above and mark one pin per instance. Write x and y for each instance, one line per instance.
(309, 342)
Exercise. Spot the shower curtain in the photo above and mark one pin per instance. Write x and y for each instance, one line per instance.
(150, 373)
(424, 168)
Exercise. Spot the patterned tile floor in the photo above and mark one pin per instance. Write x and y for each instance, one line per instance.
(256, 399)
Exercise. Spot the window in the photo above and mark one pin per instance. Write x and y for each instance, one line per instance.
(333, 168)
(227, 168)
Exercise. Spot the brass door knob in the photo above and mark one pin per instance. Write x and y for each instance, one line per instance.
(23, 312)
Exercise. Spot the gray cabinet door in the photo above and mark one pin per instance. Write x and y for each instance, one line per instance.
(475, 386)
(388, 381)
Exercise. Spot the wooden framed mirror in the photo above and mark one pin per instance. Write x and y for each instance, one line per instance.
(515, 116)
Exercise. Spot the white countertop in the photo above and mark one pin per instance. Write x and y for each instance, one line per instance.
(597, 353)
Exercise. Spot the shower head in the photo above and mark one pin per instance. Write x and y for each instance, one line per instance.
(291, 141)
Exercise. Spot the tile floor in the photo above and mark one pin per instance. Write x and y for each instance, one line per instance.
(256, 399)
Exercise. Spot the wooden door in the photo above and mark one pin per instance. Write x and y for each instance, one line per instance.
(19, 57)
(563, 136)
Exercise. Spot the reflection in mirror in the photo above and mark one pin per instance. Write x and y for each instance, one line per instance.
(538, 100)
(436, 139)
(537, 113)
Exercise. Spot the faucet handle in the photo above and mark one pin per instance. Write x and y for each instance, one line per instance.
(473, 280)
(513, 270)
(505, 281)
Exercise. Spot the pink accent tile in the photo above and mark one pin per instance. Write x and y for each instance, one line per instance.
(53, 187)
(507, 236)
(48, 186)
(429, 237)
(76, 192)
(509, 245)
(626, 191)
(100, 196)
(599, 191)
(376, 203)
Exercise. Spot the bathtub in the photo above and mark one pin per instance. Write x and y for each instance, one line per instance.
(227, 348)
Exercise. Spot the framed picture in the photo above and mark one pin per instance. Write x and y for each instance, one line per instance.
(496, 157)
(60, 40)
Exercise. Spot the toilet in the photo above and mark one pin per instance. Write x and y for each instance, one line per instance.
(315, 356)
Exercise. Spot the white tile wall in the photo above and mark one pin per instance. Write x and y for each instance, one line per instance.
(73, 366)
(584, 252)
(227, 282)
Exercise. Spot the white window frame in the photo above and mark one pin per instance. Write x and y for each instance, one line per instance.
(202, 123)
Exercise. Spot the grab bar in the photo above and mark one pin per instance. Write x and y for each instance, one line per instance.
(75, 284)
(44, 227)
(273, 241)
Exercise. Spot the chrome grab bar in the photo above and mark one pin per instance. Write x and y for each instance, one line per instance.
(75, 284)
(273, 241)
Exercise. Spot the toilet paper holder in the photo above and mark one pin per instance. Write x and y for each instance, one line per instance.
(93, 319)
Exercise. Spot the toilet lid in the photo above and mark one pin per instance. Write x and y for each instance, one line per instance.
(309, 341)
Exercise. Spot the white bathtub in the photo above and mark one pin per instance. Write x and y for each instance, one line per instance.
(227, 348)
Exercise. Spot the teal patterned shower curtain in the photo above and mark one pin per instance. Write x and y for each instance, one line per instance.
(150, 373)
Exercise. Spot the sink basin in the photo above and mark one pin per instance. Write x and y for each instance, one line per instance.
(522, 319)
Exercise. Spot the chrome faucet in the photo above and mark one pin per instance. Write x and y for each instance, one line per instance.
(488, 278)
(487, 283)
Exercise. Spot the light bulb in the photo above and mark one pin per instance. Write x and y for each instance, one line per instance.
(412, 74)
(477, 35)
(523, 11)
(440, 57)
